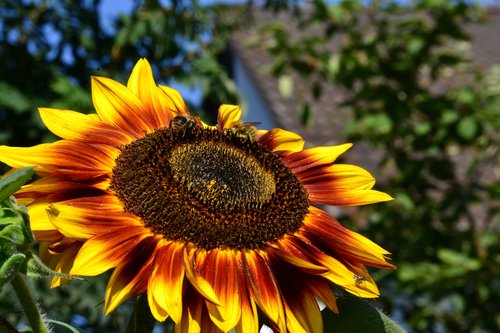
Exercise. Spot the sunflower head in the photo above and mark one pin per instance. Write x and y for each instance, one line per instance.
(214, 223)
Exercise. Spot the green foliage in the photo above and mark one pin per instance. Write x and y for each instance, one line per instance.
(15, 235)
(438, 146)
(358, 316)
(50, 50)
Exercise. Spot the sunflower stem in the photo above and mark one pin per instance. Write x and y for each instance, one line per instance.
(142, 320)
(29, 305)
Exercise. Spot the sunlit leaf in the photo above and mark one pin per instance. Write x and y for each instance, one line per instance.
(10, 183)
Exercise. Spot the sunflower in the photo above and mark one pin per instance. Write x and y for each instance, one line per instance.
(215, 223)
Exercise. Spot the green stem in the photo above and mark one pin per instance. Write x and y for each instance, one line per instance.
(28, 303)
(142, 320)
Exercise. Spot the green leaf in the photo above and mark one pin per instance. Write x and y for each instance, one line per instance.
(12, 233)
(12, 182)
(358, 316)
(12, 98)
(457, 259)
(467, 128)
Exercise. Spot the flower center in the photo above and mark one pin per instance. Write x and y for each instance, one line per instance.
(214, 189)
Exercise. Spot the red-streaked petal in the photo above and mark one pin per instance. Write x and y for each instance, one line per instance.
(341, 185)
(83, 222)
(60, 262)
(107, 250)
(280, 140)
(286, 249)
(46, 187)
(249, 320)
(117, 106)
(336, 240)
(166, 283)
(193, 260)
(75, 160)
(77, 126)
(314, 157)
(191, 320)
(321, 288)
(220, 269)
(132, 276)
(302, 313)
(264, 289)
(338, 273)
(229, 116)
(141, 83)
(301, 308)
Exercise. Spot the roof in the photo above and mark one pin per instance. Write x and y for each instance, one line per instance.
(329, 120)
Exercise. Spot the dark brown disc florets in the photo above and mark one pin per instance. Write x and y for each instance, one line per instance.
(214, 189)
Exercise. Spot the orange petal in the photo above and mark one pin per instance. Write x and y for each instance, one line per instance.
(116, 105)
(220, 270)
(107, 250)
(314, 157)
(264, 289)
(229, 116)
(341, 185)
(131, 277)
(278, 140)
(82, 127)
(166, 283)
(142, 84)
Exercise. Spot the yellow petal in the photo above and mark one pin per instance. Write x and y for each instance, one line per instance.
(73, 125)
(131, 277)
(314, 157)
(166, 283)
(191, 257)
(229, 116)
(278, 140)
(174, 101)
(141, 82)
(221, 271)
(107, 250)
(116, 105)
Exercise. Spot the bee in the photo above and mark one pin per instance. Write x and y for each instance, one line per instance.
(359, 280)
(245, 131)
(184, 122)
